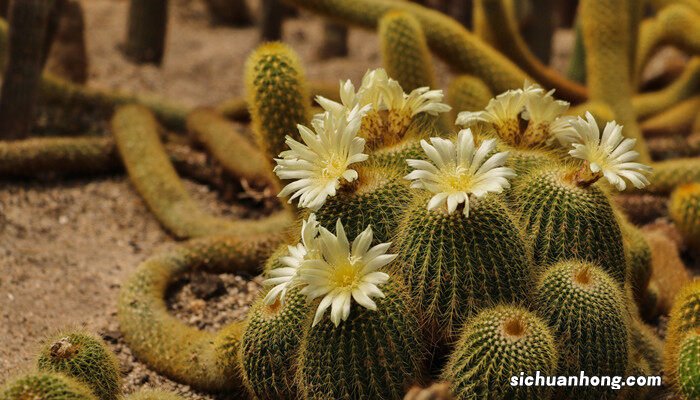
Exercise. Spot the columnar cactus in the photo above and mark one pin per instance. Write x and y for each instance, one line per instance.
(684, 209)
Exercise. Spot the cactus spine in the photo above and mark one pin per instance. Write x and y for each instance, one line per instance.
(85, 358)
(277, 96)
(689, 366)
(405, 53)
(684, 209)
(467, 93)
(456, 265)
(270, 341)
(565, 220)
(45, 386)
(495, 345)
(585, 305)
(683, 319)
(372, 355)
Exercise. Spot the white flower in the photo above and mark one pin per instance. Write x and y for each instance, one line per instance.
(318, 165)
(458, 170)
(344, 273)
(610, 154)
(505, 107)
(282, 278)
(384, 93)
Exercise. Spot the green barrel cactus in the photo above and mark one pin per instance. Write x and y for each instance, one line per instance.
(565, 220)
(85, 358)
(689, 366)
(683, 319)
(684, 209)
(46, 386)
(456, 264)
(586, 308)
(270, 341)
(468, 93)
(377, 198)
(497, 345)
(374, 354)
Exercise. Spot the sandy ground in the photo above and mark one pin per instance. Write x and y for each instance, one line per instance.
(66, 247)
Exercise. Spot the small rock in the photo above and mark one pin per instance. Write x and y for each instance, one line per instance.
(207, 286)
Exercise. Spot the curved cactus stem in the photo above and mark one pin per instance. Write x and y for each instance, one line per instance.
(685, 86)
(675, 121)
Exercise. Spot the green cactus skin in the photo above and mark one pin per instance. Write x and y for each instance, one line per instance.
(277, 95)
(270, 341)
(564, 220)
(150, 394)
(683, 319)
(524, 161)
(495, 345)
(136, 134)
(669, 174)
(456, 265)
(446, 37)
(577, 63)
(638, 254)
(377, 198)
(689, 366)
(647, 344)
(605, 26)
(586, 308)
(405, 53)
(684, 209)
(684, 87)
(63, 156)
(676, 121)
(84, 357)
(467, 93)
(394, 157)
(229, 146)
(45, 386)
(372, 355)
(204, 360)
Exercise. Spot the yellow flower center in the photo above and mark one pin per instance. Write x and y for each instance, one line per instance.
(335, 166)
(347, 274)
(458, 181)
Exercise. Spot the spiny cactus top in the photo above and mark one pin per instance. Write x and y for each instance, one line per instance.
(392, 110)
(318, 165)
(459, 170)
(504, 113)
(610, 155)
(326, 265)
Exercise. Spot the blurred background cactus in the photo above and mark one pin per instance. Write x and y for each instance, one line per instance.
(540, 214)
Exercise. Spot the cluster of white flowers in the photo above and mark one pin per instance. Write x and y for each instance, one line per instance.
(609, 155)
(328, 266)
(459, 170)
(323, 161)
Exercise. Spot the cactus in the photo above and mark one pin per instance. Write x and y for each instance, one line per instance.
(45, 386)
(229, 146)
(150, 394)
(495, 346)
(606, 32)
(689, 366)
(675, 25)
(584, 304)
(405, 53)
(467, 93)
(638, 254)
(372, 354)
(647, 344)
(200, 359)
(683, 319)
(270, 341)
(277, 96)
(577, 62)
(677, 120)
(447, 37)
(684, 87)
(377, 198)
(507, 38)
(566, 220)
(136, 133)
(456, 264)
(68, 56)
(22, 77)
(146, 32)
(85, 358)
(670, 174)
(684, 209)
(394, 157)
